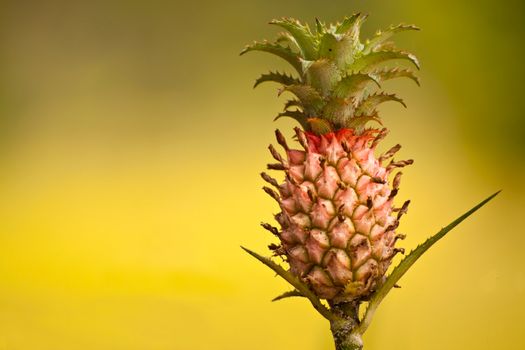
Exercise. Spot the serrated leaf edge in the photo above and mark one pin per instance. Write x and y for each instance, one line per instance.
(407, 262)
(295, 282)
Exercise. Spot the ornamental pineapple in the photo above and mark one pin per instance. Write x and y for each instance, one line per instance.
(337, 220)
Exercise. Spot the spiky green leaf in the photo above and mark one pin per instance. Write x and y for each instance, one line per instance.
(353, 23)
(310, 98)
(297, 115)
(338, 111)
(369, 104)
(359, 122)
(293, 103)
(289, 294)
(382, 36)
(397, 72)
(319, 126)
(302, 34)
(354, 33)
(368, 62)
(320, 27)
(407, 262)
(327, 46)
(286, 39)
(386, 46)
(295, 282)
(284, 52)
(281, 78)
(337, 48)
(322, 74)
(352, 84)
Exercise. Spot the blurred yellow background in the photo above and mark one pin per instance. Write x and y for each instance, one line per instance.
(131, 143)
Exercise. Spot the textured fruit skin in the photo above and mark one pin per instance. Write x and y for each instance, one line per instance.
(337, 219)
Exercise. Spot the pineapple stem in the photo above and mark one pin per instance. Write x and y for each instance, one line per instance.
(342, 328)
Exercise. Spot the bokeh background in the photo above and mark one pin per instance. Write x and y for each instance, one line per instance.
(130, 147)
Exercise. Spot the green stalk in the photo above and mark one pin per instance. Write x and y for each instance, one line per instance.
(343, 327)
(344, 338)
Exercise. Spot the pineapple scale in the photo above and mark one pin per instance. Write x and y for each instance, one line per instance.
(337, 223)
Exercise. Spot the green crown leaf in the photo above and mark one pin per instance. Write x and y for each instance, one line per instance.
(322, 75)
(396, 72)
(373, 59)
(284, 52)
(309, 97)
(302, 35)
(369, 104)
(382, 36)
(339, 76)
(353, 84)
(277, 77)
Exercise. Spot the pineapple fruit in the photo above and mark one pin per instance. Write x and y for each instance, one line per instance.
(337, 217)
(338, 222)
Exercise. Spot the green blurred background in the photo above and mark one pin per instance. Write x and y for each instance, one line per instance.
(131, 142)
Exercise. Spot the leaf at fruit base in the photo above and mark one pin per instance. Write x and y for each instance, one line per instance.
(302, 34)
(396, 72)
(319, 126)
(289, 294)
(359, 122)
(295, 282)
(277, 77)
(369, 104)
(338, 110)
(284, 52)
(406, 263)
(372, 60)
(383, 36)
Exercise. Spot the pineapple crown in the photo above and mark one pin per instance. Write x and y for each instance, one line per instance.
(339, 77)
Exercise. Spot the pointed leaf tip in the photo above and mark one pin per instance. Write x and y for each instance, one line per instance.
(353, 22)
(289, 294)
(408, 261)
(319, 26)
(375, 58)
(370, 103)
(302, 34)
(396, 72)
(284, 52)
(309, 96)
(353, 84)
(296, 283)
(281, 78)
(381, 37)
